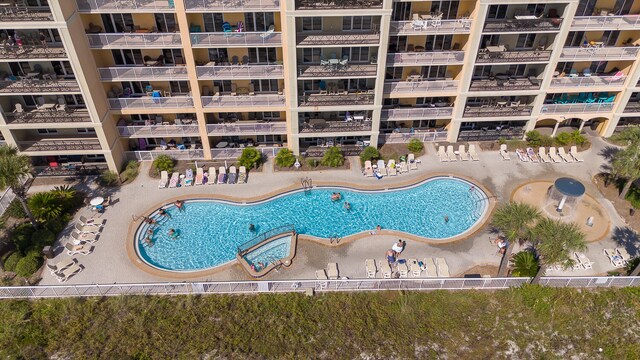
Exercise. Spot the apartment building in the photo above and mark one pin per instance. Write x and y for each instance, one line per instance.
(97, 82)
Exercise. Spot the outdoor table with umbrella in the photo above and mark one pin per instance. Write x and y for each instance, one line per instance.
(96, 202)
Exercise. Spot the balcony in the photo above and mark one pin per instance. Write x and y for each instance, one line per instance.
(49, 52)
(633, 106)
(143, 73)
(420, 27)
(416, 113)
(426, 58)
(214, 72)
(326, 126)
(158, 131)
(587, 81)
(234, 153)
(48, 116)
(487, 56)
(247, 128)
(505, 84)
(259, 100)
(604, 53)
(200, 6)
(59, 145)
(31, 85)
(403, 138)
(150, 103)
(487, 134)
(407, 87)
(347, 71)
(235, 39)
(497, 111)
(130, 6)
(336, 100)
(149, 155)
(346, 150)
(523, 25)
(17, 13)
(337, 4)
(625, 22)
(341, 38)
(135, 40)
(576, 108)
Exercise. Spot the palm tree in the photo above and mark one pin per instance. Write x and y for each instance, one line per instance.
(515, 221)
(13, 169)
(626, 164)
(630, 135)
(45, 206)
(525, 264)
(555, 241)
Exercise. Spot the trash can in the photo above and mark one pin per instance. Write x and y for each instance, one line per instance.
(47, 251)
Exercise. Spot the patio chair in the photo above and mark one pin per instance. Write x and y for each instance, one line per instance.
(88, 229)
(234, 89)
(615, 259)
(65, 274)
(78, 249)
(222, 175)
(242, 175)
(391, 168)
(18, 109)
(61, 265)
(88, 221)
(164, 180)
(175, 178)
(413, 164)
(81, 239)
(370, 267)
(414, 267)
(564, 155)
(542, 154)
(431, 267)
(442, 155)
(233, 175)
(583, 260)
(403, 270)
(473, 153)
(268, 33)
(532, 155)
(462, 152)
(382, 169)
(332, 271)
(622, 252)
(62, 105)
(554, 155)
(404, 167)
(199, 176)
(574, 153)
(443, 268)
(368, 169)
(504, 152)
(385, 269)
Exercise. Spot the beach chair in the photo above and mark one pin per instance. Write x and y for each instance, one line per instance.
(574, 153)
(233, 175)
(554, 155)
(451, 154)
(78, 249)
(61, 265)
(431, 267)
(81, 239)
(391, 168)
(532, 155)
(370, 266)
(199, 176)
(564, 155)
(464, 156)
(522, 155)
(242, 175)
(542, 154)
(442, 155)
(164, 180)
(89, 228)
(622, 252)
(321, 277)
(382, 169)
(403, 270)
(473, 153)
(504, 152)
(403, 167)
(89, 221)
(332, 271)
(385, 269)
(443, 268)
(583, 260)
(413, 165)
(615, 259)
(173, 182)
(212, 176)
(188, 178)
(65, 274)
(368, 169)
(222, 175)
(414, 267)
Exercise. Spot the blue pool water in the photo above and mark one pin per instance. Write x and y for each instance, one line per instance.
(210, 231)
(270, 252)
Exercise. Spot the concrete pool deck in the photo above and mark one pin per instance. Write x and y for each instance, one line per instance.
(109, 263)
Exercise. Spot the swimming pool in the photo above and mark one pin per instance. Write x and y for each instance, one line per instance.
(210, 230)
(269, 253)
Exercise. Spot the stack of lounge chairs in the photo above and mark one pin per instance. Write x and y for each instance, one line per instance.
(204, 178)
(392, 168)
(555, 155)
(450, 155)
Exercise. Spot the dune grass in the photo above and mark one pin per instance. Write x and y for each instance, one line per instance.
(531, 322)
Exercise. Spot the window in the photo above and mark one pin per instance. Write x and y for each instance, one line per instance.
(394, 73)
(489, 40)
(173, 56)
(481, 72)
(258, 21)
(262, 55)
(74, 100)
(117, 23)
(622, 7)
(86, 131)
(356, 23)
(212, 22)
(434, 72)
(264, 115)
(401, 11)
(179, 87)
(586, 7)
(518, 70)
(598, 67)
(438, 42)
(310, 85)
(391, 102)
(135, 87)
(609, 38)
(356, 54)
(312, 23)
(218, 55)
(311, 55)
(535, 9)
(449, 9)
(357, 84)
(166, 22)
(63, 68)
(497, 12)
(47, 131)
(265, 85)
(575, 39)
(525, 41)
(223, 85)
(127, 56)
(564, 67)
(269, 138)
(37, 3)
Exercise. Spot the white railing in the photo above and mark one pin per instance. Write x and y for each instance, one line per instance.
(225, 5)
(301, 286)
(420, 86)
(243, 100)
(460, 26)
(234, 153)
(236, 39)
(143, 73)
(158, 130)
(625, 22)
(403, 138)
(151, 102)
(150, 155)
(5, 199)
(247, 128)
(415, 113)
(128, 6)
(576, 108)
(587, 81)
(240, 72)
(425, 58)
(608, 53)
(135, 40)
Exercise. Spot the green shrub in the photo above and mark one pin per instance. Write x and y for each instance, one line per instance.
(15, 210)
(29, 264)
(109, 178)
(369, 153)
(21, 237)
(58, 224)
(312, 162)
(45, 205)
(525, 264)
(633, 196)
(546, 141)
(564, 139)
(578, 138)
(333, 157)
(12, 260)
(42, 237)
(130, 171)
(285, 158)
(502, 141)
(163, 163)
(250, 158)
(415, 146)
(632, 264)
(533, 138)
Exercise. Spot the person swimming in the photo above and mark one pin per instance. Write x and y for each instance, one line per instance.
(347, 206)
(163, 212)
(336, 196)
(446, 218)
(150, 221)
(180, 205)
(174, 233)
(252, 227)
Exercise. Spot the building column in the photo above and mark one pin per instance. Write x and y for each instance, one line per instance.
(582, 122)
(555, 129)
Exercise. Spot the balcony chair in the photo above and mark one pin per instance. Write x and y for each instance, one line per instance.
(18, 109)
(62, 105)
(268, 33)
(206, 91)
(573, 73)
(245, 60)
(252, 89)
(234, 89)
(234, 60)
(226, 27)
(216, 91)
(586, 72)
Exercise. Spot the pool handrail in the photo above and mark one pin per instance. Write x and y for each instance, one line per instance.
(242, 248)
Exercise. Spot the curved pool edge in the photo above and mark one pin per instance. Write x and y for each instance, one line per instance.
(136, 260)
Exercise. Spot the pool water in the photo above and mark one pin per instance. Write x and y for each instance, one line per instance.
(269, 253)
(210, 231)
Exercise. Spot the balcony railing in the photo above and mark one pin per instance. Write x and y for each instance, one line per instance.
(606, 53)
(59, 145)
(403, 138)
(158, 130)
(351, 70)
(247, 128)
(337, 4)
(319, 151)
(260, 100)
(149, 155)
(420, 86)
(425, 58)
(343, 38)
(633, 106)
(324, 126)
(576, 108)
(135, 40)
(411, 27)
(48, 116)
(224, 5)
(37, 86)
(50, 51)
(16, 12)
(336, 100)
(143, 73)
(625, 22)
(177, 102)
(240, 72)
(495, 111)
(416, 113)
(513, 56)
(525, 25)
(491, 134)
(568, 82)
(234, 153)
(510, 84)
(236, 39)
(108, 6)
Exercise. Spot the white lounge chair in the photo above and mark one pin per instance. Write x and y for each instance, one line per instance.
(370, 266)
(403, 270)
(385, 269)
(464, 156)
(443, 268)
(413, 164)
(368, 169)
(442, 155)
(332, 271)
(583, 260)
(222, 175)
(623, 254)
(61, 265)
(81, 239)
(532, 155)
(473, 153)
(89, 228)
(242, 175)
(414, 267)
(564, 155)
(616, 260)
(65, 274)
(188, 178)
(504, 152)
(574, 152)
(431, 267)
(321, 277)
(391, 168)
(78, 249)
(522, 155)
(212, 176)
(403, 168)
(199, 176)
(451, 154)
(542, 153)
(164, 180)
(233, 175)
(554, 155)
(175, 178)
(382, 169)
(89, 221)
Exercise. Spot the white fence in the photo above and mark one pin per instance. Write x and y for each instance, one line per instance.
(128, 6)
(625, 22)
(221, 5)
(413, 27)
(403, 138)
(288, 286)
(236, 39)
(5, 199)
(608, 53)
